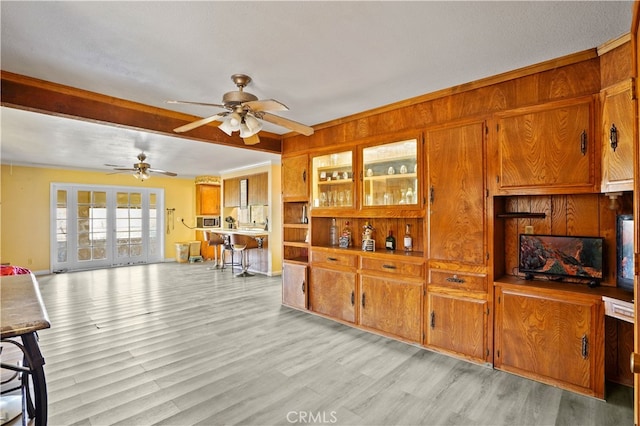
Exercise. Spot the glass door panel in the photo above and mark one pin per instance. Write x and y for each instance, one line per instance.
(332, 180)
(391, 174)
(100, 226)
(91, 222)
(129, 241)
(61, 220)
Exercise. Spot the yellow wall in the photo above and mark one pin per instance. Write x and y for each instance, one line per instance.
(24, 209)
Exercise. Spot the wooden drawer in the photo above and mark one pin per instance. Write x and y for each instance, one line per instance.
(618, 309)
(333, 258)
(399, 267)
(457, 279)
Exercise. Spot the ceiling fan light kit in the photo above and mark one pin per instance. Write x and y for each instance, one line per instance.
(142, 170)
(246, 112)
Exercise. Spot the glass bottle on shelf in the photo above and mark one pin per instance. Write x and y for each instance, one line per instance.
(408, 240)
(332, 180)
(390, 242)
(345, 237)
(333, 233)
(390, 169)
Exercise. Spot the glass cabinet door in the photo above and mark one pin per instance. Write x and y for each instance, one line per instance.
(332, 182)
(390, 174)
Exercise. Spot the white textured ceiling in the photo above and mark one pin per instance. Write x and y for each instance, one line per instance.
(325, 60)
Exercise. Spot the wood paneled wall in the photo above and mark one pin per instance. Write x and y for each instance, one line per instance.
(566, 77)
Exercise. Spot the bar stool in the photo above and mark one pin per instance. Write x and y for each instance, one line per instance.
(242, 243)
(227, 246)
(214, 240)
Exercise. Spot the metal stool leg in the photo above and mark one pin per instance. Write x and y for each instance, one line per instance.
(245, 265)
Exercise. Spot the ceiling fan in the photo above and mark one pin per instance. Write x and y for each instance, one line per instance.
(244, 110)
(141, 170)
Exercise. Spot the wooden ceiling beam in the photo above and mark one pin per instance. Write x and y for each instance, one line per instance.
(45, 97)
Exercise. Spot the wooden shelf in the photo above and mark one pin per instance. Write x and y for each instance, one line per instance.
(521, 215)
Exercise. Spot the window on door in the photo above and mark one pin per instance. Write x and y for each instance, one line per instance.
(102, 226)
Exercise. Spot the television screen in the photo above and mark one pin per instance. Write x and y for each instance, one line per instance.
(625, 252)
(561, 256)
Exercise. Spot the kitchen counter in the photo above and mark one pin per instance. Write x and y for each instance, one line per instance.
(254, 232)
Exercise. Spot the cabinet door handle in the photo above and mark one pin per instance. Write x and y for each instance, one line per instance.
(583, 142)
(333, 259)
(613, 137)
(304, 175)
(433, 320)
(389, 266)
(585, 347)
(353, 298)
(303, 287)
(431, 194)
(455, 279)
(363, 300)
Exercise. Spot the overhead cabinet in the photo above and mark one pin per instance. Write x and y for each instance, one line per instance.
(547, 148)
(618, 112)
(231, 192)
(295, 178)
(390, 174)
(456, 195)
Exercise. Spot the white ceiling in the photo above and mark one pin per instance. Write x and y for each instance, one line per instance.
(325, 60)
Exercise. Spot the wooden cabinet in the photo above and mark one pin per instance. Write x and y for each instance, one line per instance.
(295, 179)
(547, 148)
(208, 199)
(258, 189)
(332, 181)
(553, 336)
(391, 296)
(294, 285)
(456, 195)
(618, 112)
(333, 284)
(456, 308)
(391, 306)
(390, 174)
(332, 292)
(457, 325)
(232, 192)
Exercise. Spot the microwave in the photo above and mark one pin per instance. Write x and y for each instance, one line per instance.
(207, 221)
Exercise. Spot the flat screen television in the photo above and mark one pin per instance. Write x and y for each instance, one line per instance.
(558, 256)
(624, 252)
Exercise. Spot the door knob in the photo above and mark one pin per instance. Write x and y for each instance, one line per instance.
(635, 363)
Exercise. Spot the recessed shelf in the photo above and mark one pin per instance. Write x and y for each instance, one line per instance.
(521, 215)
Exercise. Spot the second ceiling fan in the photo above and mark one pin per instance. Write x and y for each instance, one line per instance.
(244, 112)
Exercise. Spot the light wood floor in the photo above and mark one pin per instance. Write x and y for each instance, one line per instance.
(179, 344)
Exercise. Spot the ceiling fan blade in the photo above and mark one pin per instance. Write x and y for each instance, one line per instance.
(164, 172)
(197, 103)
(199, 123)
(289, 124)
(266, 105)
(125, 169)
(252, 140)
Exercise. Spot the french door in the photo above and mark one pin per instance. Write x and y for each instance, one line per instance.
(103, 226)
